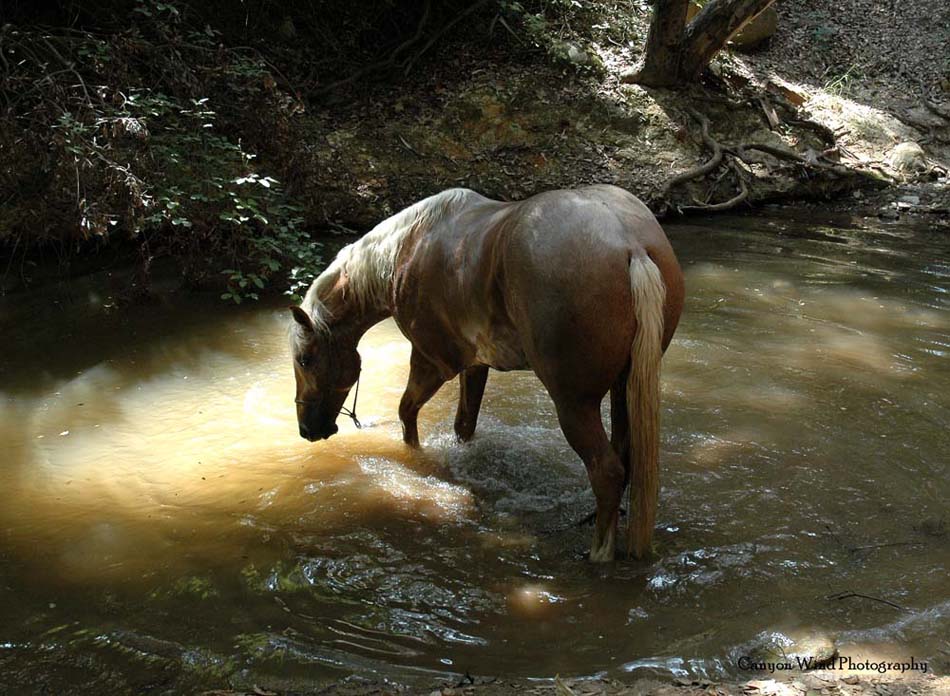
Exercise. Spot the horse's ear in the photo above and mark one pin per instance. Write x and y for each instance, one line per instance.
(302, 318)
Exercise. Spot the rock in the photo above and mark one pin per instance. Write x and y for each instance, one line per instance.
(910, 200)
(756, 31)
(571, 52)
(888, 214)
(908, 157)
(802, 649)
(793, 95)
(815, 649)
(576, 55)
(751, 34)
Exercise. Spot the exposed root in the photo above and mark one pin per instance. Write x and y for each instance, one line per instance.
(405, 55)
(724, 205)
(810, 160)
(823, 131)
(703, 169)
(708, 166)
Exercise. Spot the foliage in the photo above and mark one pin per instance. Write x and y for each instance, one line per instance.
(121, 138)
(544, 24)
(171, 125)
(840, 84)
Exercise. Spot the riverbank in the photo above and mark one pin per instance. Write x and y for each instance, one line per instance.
(811, 115)
(814, 683)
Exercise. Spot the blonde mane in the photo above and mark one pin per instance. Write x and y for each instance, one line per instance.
(370, 262)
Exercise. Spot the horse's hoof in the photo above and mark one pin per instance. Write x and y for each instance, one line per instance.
(601, 556)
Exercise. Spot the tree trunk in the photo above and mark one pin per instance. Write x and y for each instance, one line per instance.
(675, 53)
(661, 63)
(710, 31)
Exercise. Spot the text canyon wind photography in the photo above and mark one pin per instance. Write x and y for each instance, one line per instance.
(475, 348)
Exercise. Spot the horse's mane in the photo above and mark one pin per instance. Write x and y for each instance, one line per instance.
(370, 262)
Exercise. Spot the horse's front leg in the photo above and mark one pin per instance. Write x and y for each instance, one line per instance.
(424, 382)
(471, 389)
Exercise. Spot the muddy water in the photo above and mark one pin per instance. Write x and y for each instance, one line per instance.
(164, 527)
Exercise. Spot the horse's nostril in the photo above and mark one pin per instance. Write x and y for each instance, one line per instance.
(304, 432)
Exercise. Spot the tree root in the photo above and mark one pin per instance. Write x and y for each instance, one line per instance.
(724, 205)
(387, 62)
(824, 132)
(708, 166)
(810, 160)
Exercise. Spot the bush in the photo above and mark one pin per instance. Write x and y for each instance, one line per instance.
(118, 137)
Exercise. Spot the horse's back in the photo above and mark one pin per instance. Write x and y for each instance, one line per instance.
(601, 217)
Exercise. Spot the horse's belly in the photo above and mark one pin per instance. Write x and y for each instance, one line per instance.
(501, 352)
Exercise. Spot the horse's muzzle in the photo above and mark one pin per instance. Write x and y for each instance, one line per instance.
(315, 435)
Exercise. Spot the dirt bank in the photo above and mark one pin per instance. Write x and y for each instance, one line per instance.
(815, 113)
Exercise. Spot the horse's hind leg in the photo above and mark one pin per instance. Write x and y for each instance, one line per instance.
(585, 433)
(471, 389)
(424, 381)
(620, 422)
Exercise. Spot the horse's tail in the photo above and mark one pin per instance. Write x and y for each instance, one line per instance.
(643, 402)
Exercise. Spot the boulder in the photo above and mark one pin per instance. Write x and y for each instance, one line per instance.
(908, 158)
(750, 35)
(756, 31)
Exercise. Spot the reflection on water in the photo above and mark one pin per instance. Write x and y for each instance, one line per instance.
(163, 523)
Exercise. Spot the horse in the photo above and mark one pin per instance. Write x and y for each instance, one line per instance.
(581, 286)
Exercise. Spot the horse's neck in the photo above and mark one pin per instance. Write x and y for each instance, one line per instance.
(357, 301)
(347, 317)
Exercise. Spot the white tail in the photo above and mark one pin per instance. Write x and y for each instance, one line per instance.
(643, 402)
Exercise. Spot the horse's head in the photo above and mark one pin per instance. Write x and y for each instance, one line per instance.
(326, 367)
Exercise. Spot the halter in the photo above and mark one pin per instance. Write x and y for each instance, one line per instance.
(348, 412)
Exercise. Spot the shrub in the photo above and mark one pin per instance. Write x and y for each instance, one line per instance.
(119, 137)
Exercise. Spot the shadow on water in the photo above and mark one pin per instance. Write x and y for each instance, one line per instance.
(163, 523)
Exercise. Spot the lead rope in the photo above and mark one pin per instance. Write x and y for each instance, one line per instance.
(351, 412)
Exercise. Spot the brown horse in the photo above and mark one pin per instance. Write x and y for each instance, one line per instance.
(580, 286)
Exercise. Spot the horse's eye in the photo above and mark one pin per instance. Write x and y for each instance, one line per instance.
(302, 361)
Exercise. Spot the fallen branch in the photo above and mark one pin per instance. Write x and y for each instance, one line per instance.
(855, 549)
(849, 595)
(409, 147)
